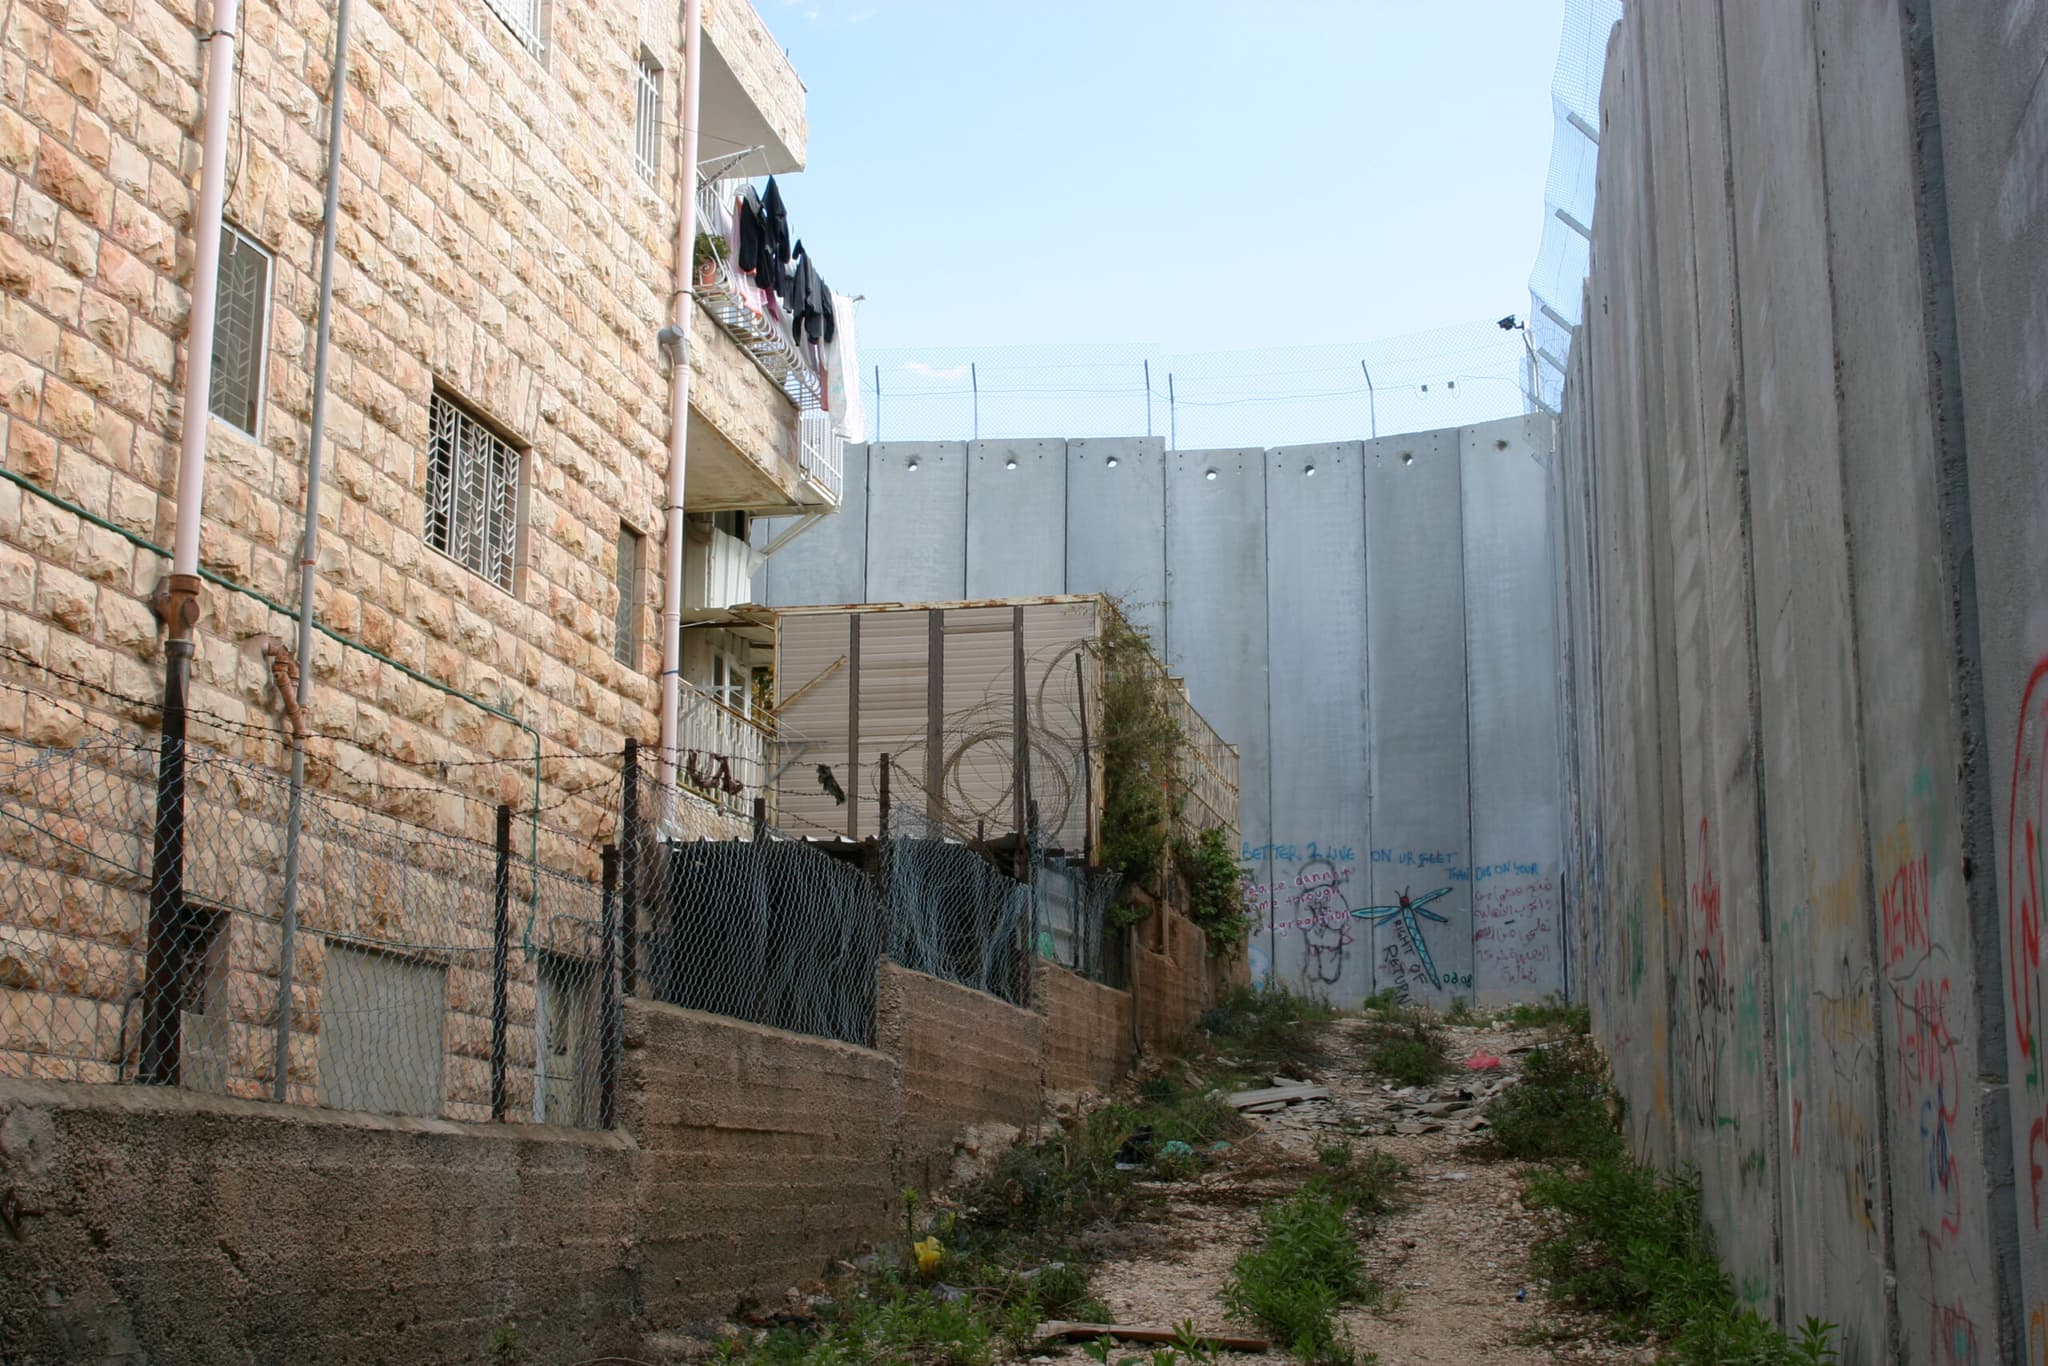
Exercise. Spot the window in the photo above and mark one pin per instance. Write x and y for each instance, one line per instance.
(647, 116)
(380, 1032)
(472, 493)
(526, 20)
(235, 395)
(626, 627)
(729, 679)
(738, 525)
(565, 1043)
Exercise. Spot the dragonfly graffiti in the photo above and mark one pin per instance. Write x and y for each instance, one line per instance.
(1409, 914)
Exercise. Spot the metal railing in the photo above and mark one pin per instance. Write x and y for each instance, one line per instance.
(725, 756)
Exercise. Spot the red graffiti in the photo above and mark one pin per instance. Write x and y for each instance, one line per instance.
(1930, 1081)
(2023, 884)
(2037, 1139)
(1705, 894)
(1954, 1335)
(1798, 1113)
(1904, 904)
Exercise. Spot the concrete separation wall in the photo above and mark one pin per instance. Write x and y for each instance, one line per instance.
(142, 1223)
(1369, 622)
(1798, 513)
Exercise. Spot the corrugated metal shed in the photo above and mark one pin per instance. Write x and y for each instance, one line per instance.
(941, 688)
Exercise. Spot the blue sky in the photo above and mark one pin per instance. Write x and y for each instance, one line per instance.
(1140, 171)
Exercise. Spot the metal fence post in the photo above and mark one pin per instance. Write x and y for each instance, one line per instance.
(164, 963)
(501, 939)
(629, 874)
(884, 795)
(609, 1025)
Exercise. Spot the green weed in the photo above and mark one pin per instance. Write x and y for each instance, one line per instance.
(1367, 1183)
(1267, 1029)
(1407, 1049)
(1460, 1012)
(1552, 1013)
(1629, 1244)
(1306, 1264)
(1560, 1109)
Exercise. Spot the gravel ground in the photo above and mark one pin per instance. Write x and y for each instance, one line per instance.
(1453, 1257)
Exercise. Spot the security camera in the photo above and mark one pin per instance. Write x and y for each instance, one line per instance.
(1509, 323)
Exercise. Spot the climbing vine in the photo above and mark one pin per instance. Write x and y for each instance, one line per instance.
(1140, 747)
(1208, 868)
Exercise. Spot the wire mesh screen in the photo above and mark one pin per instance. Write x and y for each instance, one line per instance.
(951, 913)
(770, 930)
(1070, 919)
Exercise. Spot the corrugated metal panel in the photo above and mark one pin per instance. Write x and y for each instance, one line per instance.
(1054, 636)
(894, 655)
(977, 748)
(810, 658)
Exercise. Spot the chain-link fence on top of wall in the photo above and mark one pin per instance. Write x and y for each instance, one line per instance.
(1279, 396)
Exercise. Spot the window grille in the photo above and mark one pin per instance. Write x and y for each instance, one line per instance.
(647, 116)
(472, 493)
(523, 17)
(235, 394)
(626, 627)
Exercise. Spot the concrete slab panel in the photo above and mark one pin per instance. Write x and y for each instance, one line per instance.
(1016, 518)
(1420, 859)
(1320, 739)
(1994, 123)
(917, 522)
(1216, 629)
(1947, 1228)
(1517, 926)
(1116, 526)
(826, 563)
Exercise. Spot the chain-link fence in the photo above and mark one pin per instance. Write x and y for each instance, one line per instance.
(197, 923)
(771, 930)
(426, 974)
(1271, 396)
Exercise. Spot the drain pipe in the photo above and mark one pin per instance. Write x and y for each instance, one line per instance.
(178, 602)
(679, 403)
(309, 563)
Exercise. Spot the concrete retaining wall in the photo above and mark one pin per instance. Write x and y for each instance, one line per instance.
(1798, 503)
(972, 1070)
(1088, 1039)
(153, 1224)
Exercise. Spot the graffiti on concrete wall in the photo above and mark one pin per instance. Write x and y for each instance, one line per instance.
(1407, 915)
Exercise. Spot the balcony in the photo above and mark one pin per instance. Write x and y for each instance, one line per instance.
(752, 96)
(725, 754)
(718, 572)
(753, 321)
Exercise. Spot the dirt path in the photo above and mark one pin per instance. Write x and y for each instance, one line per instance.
(1453, 1257)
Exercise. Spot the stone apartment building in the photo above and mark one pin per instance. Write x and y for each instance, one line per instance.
(498, 414)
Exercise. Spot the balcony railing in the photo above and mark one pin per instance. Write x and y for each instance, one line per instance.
(725, 755)
(755, 319)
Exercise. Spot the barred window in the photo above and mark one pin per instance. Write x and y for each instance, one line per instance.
(523, 17)
(647, 116)
(626, 626)
(235, 394)
(472, 493)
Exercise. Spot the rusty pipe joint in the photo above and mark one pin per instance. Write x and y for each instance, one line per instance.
(284, 675)
(176, 603)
